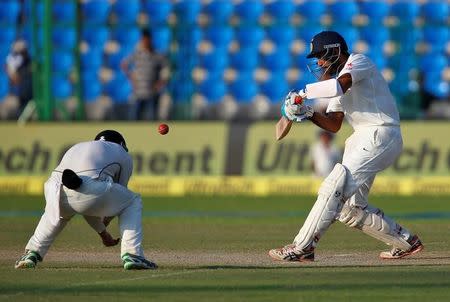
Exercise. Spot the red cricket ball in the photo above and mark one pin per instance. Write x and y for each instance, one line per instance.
(163, 129)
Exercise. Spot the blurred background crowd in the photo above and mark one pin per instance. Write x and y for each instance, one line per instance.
(207, 59)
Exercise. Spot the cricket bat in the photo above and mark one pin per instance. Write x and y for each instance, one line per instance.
(284, 125)
(282, 128)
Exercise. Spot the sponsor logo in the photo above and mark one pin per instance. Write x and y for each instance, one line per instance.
(332, 45)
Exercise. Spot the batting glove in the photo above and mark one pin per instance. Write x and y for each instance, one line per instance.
(306, 112)
(294, 109)
(289, 108)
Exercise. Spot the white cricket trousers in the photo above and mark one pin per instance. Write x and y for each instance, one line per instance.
(96, 198)
(368, 151)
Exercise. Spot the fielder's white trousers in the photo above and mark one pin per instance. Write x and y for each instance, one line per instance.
(95, 198)
(368, 151)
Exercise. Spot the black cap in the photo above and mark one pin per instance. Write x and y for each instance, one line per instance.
(112, 136)
(324, 40)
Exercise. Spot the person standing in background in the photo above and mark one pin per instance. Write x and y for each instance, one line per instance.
(18, 68)
(324, 154)
(147, 73)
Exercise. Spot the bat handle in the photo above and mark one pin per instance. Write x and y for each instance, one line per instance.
(298, 100)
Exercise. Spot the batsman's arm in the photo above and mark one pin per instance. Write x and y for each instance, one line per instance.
(331, 121)
(329, 88)
(345, 81)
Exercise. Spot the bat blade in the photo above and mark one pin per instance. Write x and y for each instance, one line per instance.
(282, 128)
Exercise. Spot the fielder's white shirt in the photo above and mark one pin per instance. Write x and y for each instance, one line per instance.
(96, 158)
(368, 102)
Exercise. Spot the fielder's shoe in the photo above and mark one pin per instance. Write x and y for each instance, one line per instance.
(292, 253)
(137, 262)
(28, 260)
(396, 253)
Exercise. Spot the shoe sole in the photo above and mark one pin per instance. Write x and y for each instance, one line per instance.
(282, 260)
(415, 251)
(133, 266)
(24, 265)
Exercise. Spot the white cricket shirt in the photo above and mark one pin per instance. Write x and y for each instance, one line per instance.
(96, 158)
(369, 101)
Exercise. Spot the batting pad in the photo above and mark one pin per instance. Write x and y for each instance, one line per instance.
(373, 222)
(325, 210)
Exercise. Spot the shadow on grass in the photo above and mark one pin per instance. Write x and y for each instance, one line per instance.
(300, 266)
(149, 288)
(402, 263)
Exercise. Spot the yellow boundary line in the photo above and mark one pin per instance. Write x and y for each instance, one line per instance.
(255, 186)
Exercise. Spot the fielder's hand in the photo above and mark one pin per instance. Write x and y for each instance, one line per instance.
(107, 239)
(107, 220)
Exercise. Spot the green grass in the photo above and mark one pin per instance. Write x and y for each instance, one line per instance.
(309, 284)
(228, 226)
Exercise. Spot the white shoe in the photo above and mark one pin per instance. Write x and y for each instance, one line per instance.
(292, 253)
(396, 253)
(131, 262)
(28, 260)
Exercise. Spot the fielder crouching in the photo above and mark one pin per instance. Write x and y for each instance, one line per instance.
(358, 92)
(92, 180)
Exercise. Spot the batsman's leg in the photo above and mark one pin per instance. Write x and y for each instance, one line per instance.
(357, 213)
(322, 215)
(374, 223)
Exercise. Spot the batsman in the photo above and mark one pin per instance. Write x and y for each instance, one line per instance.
(357, 91)
(92, 180)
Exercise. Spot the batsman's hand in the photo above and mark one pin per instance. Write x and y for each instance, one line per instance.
(107, 239)
(293, 107)
(290, 107)
(306, 112)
